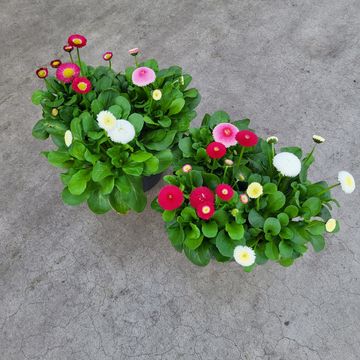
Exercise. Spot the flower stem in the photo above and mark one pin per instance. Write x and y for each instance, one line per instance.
(109, 64)
(258, 203)
(310, 154)
(79, 60)
(71, 58)
(327, 189)
(226, 167)
(240, 156)
(136, 62)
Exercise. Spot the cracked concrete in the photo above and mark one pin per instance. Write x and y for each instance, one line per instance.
(77, 286)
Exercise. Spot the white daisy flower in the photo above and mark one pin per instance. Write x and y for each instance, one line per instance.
(106, 120)
(157, 94)
(347, 182)
(123, 132)
(318, 139)
(68, 138)
(272, 140)
(287, 164)
(244, 255)
(330, 225)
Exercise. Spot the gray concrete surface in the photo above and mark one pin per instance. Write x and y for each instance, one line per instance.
(77, 286)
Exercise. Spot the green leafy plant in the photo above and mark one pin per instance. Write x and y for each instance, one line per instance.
(111, 128)
(239, 198)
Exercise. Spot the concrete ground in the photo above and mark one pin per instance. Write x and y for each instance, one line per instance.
(78, 286)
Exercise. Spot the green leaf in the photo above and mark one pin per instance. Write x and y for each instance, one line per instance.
(99, 203)
(286, 262)
(58, 158)
(117, 202)
(272, 226)
(176, 236)
(107, 185)
(140, 156)
(117, 111)
(188, 214)
(138, 121)
(133, 168)
(71, 199)
(283, 218)
(317, 242)
(192, 243)
(272, 251)
(255, 219)
(37, 96)
(276, 201)
(131, 187)
(162, 144)
(87, 121)
(293, 149)
(209, 229)
(77, 150)
(165, 158)
(101, 171)
(185, 145)
(242, 124)
(236, 231)
(210, 180)
(285, 249)
(316, 227)
(196, 178)
(224, 244)
(313, 204)
(76, 129)
(200, 256)
(217, 118)
(269, 188)
(103, 83)
(286, 233)
(39, 131)
(292, 211)
(78, 181)
(176, 106)
(168, 215)
(151, 166)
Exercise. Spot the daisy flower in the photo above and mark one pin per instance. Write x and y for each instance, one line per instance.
(67, 72)
(205, 211)
(228, 162)
(254, 190)
(318, 139)
(186, 168)
(225, 133)
(55, 63)
(170, 197)
(106, 120)
(134, 51)
(68, 138)
(244, 255)
(77, 40)
(244, 198)
(272, 140)
(143, 76)
(246, 138)
(216, 150)
(68, 48)
(54, 112)
(81, 85)
(346, 181)
(123, 132)
(287, 164)
(42, 72)
(330, 225)
(107, 56)
(201, 195)
(224, 192)
(156, 95)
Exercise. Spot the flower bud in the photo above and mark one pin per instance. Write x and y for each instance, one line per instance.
(68, 48)
(272, 140)
(54, 112)
(318, 139)
(42, 72)
(134, 51)
(229, 162)
(244, 198)
(55, 63)
(107, 56)
(234, 212)
(186, 168)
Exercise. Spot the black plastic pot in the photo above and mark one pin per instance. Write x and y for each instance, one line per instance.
(150, 181)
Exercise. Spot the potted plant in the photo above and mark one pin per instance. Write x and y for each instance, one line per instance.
(112, 129)
(234, 196)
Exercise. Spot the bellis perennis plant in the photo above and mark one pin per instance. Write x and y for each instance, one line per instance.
(111, 128)
(235, 197)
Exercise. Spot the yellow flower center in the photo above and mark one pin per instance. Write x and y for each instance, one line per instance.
(82, 86)
(216, 148)
(244, 256)
(227, 132)
(68, 72)
(206, 209)
(42, 73)
(77, 41)
(349, 181)
(224, 191)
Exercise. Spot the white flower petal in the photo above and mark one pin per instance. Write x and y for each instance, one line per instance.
(347, 181)
(106, 120)
(123, 132)
(287, 164)
(68, 138)
(244, 255)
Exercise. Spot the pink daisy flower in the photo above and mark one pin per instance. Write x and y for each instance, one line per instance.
(134, 51)
(67, 72)
(143, 76)
(77, 40)
(107, 56)
(81, 85)
(225, 133)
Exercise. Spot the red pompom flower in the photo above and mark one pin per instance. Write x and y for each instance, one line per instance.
(42, 72)
(68, 48)
(246, 138)
(216, 150)
(224, 192)
(67, 72)
(55, 63)
(170, 197)
(107, 56)
(205, 211)
(77, 40)
(81, 85)
(200, 195)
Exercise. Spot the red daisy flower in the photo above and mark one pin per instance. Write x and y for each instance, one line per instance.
(81, 85)
(42, 72)
(55, 63)
(205, 211)
(107, 56)
(246, 138)
(224, 192)
(68, 48)
(200, 195)
(77, 40)
(170, 197)
(216, 150)
(67, 72)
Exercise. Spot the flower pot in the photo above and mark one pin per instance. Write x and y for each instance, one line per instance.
(150, 181)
